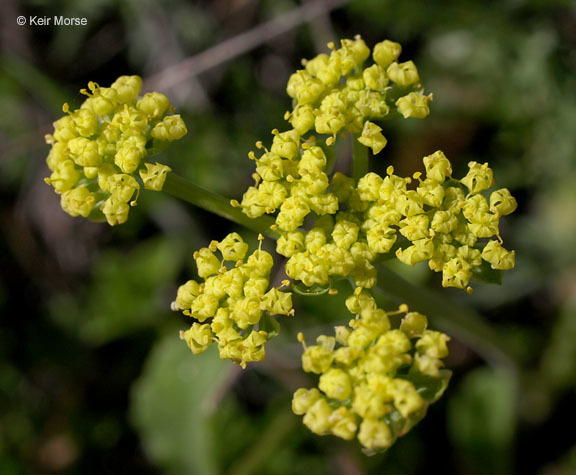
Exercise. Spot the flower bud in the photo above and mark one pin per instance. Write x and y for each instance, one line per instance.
(78, 201)
(198, 338)
(171, 128)
(403, 74)
(153, 104)
(413, 324)
(414, 105)
(386, 52)
(336, 384)
(375, 434)
(127, 88)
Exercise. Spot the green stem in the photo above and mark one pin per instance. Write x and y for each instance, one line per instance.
(456, 319)
(360, 160)
(180, 188)
(331, 154)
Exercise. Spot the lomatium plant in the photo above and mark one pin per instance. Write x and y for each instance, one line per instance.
(379, 372)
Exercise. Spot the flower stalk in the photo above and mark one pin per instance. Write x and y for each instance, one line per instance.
(360, 160)
(185, 190)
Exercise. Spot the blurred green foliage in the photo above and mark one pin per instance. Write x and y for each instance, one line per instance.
(93, 377)
(128, 292)
(481, 415)
(172, 403)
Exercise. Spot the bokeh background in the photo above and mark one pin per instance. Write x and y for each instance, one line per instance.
(93, 378)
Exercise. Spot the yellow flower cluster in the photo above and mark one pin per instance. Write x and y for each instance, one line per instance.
(375, 382)
(334, 93)
(377, 375)
(98, 148)
(337, 92)
(440, 219)
(233, 305)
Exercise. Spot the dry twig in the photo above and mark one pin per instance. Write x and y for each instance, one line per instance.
(238, 45)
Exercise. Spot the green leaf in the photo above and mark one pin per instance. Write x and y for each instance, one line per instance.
(172, 404)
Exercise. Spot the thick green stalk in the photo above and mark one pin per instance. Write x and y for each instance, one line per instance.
(181, 188)
(360, 160)
(458, 320)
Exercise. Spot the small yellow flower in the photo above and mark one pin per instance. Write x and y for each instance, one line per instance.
(375, 435)
(302, 118)
(316, 359)
(115, 210)
(438, 167)
(414, 324)
(343, 423)
(304, 399)
(375, 78)
(154, 176)
(497, 256)
(318, 417)
(78, 201)
(502, 202)
(372, 137)
(127, 88)
(187, 293)
(479, 177)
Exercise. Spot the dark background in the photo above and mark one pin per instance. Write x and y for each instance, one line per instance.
(93, 378)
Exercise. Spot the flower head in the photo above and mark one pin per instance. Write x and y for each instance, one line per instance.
(233, 305)
(99, 149)
(374, 380)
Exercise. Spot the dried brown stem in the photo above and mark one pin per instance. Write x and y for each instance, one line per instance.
(240, 44)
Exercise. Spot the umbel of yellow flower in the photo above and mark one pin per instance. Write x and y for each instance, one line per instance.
(333, 94)
(444, 221)
(440, 220)
(234, 305)
(99, 150)
(375, 382)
